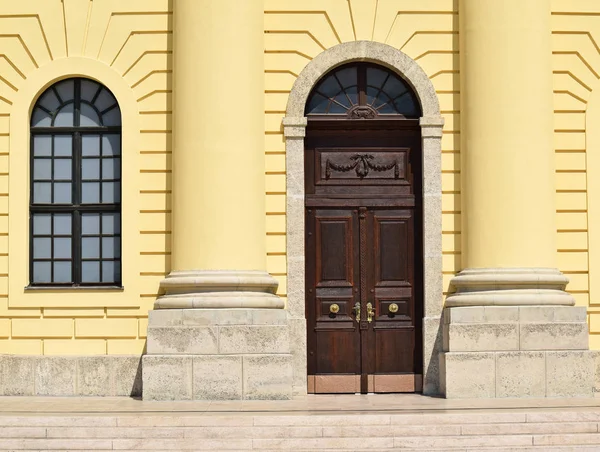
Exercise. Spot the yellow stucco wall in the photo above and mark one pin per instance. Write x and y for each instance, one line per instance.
(127, 45)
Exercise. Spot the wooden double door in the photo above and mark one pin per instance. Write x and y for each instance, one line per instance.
(363, 258)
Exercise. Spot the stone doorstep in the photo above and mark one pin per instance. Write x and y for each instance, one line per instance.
(233, 377)
(105, 375)
(515, 314)
(518, 374)
(488, 337)
(218, 340)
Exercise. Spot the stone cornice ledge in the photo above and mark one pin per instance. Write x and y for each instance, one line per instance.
(219, 289)
(509, 287)
(294, 127)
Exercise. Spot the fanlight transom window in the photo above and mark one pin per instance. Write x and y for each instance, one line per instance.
(362, 90)
(75, 197)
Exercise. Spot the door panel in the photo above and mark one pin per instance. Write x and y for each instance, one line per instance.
(331, 243)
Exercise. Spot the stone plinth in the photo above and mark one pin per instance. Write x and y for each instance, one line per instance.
(516, 351)
(218, 354)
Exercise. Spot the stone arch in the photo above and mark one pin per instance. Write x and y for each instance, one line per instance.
(294, 125)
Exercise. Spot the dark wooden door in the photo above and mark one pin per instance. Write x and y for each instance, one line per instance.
(363, 257)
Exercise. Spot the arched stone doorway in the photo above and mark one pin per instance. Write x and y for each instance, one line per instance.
(431, 130)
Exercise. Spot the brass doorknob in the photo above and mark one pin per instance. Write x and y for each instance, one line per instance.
(334, 308)
(393, 308)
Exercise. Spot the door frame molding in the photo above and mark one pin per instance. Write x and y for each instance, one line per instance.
(294, 126)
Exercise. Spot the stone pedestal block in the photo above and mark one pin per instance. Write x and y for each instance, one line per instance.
(516, 351)
(218, 354)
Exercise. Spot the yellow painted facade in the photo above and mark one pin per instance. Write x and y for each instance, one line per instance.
(128, 46)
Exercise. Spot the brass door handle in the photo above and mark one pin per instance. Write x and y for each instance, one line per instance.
(393, 308)
(370, 312)
(357, 311)
(334, 308)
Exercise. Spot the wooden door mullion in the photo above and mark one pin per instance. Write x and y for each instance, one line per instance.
(364, 298)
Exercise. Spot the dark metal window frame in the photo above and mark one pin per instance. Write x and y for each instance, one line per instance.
(76, 208)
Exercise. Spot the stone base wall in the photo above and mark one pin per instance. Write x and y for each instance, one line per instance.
(218, 354)
(104, 375)
(516, 351)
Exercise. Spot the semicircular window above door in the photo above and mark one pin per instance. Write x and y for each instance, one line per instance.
(363, 91)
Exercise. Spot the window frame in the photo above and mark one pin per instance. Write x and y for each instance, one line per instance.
(76, 208)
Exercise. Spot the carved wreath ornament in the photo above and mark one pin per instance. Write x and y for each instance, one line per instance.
(362, 164)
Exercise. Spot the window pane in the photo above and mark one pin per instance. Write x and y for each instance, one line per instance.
(112, 117)
(347, 77)
(110, 192)
(88, 89)
(41, 272)
(110, 247)
(41, 248)
(318, 104)
(111, 223)
(111, 168)
(376, 77)
(62, 272)
(104, 100)
(49, 100)
(111, 144)
(66, 90)
(40, 118)
(42, 169)
(90, 192)
(90, 272)
(41, 192)
(88, 116)
(63, 145)
(62, 193)
(329, 87)
(62, 169)
(62, 248)
(41, 224)
(90, 223)
(64, 118)
(90, 145)
(90, 169)
(90, 247)
(62, 224)
(42, 145)
(109, 271)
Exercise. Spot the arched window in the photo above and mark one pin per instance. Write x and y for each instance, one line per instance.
(75, 176)
(363, 91)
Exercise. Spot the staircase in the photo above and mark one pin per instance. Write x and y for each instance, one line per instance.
(567, 429)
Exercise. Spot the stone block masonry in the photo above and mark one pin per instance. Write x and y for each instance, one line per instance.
(218, 354)
(516, 351)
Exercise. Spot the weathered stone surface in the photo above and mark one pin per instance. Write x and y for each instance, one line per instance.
(55, 376)
(520, 374)
(298, 351)
(469, 375)
(167, 377)
(126, 375)
(267, 377)
(482, 337)
(17, 375)
(217, 377)
(569, 374)
(554, 336)
(182, 340)
(261, 339)
(93, 376)
(432, 345)
(528, 314)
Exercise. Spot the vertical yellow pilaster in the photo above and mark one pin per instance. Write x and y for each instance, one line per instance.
(218, 155)
(507, 155)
